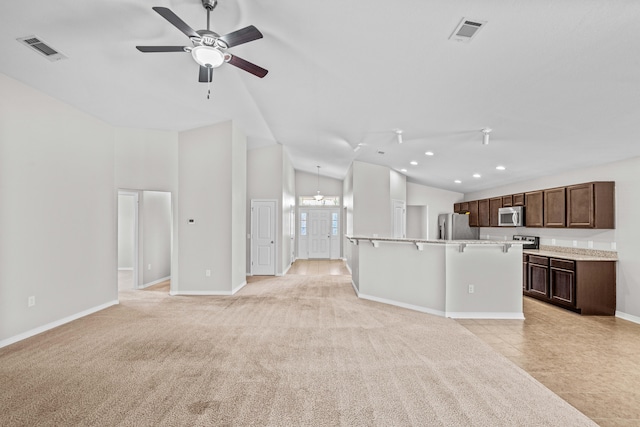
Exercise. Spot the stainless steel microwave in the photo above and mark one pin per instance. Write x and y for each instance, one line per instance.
(511, 217)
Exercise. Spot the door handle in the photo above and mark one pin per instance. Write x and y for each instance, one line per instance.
(272, 242)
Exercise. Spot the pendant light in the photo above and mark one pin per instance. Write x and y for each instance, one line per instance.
(318, 196)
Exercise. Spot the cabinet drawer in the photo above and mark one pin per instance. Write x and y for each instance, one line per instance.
(525, 257)
(539, 260)
(563, 263)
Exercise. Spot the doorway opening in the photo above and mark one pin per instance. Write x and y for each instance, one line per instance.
(145, 240)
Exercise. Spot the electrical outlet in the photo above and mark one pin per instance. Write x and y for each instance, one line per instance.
(31, 301)
(471, 289)
(207, 273)
(575, 243)
(590, 244)
(553, 241)
(149, 267)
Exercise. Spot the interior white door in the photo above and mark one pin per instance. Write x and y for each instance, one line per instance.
(263, 237)
(399, 219)
(319, 229)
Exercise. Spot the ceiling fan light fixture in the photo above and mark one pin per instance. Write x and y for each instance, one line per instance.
(208, 56)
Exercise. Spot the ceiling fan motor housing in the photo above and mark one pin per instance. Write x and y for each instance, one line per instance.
(209, 4)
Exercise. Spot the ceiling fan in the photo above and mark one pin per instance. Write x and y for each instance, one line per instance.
(209, 49)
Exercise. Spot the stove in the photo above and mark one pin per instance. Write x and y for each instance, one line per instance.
(528, 242)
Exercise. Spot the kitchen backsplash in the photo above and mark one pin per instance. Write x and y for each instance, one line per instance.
(557, 239)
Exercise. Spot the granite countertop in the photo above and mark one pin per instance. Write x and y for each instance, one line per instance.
(453, 242)
(573, 254)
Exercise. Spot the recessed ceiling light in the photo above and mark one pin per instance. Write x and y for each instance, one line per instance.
(403, 170)
(413, 163)
(500, 168)
(476, 175)
(428, 153)
(457, 181)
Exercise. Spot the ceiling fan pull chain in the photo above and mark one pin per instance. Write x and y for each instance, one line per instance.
(210, 70)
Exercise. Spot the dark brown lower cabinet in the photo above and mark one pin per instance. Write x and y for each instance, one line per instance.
(586, 287)
(525, 272)
(562, 282)
(538, 276)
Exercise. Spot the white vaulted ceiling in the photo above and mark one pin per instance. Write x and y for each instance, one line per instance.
(557, 81)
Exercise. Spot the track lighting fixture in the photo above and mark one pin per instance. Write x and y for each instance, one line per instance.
(485, 136)
(399, 135)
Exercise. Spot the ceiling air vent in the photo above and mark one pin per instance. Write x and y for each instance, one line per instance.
(42, 48)
(466, 30)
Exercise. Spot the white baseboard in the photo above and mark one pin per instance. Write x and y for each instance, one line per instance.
(403, 305)
(249, 274)
(125, 269)
(201, 293)
(349, 268)
(285, 272)
(237, 288)
(55, 324)
(355, 288)
(498, 315)
(629, 317)
(155, 282)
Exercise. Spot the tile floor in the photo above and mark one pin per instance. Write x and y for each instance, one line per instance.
(592, 362)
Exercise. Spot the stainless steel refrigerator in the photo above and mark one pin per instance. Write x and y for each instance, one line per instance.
(452, 226)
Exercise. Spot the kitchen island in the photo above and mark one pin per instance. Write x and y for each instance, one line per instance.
(459, 279)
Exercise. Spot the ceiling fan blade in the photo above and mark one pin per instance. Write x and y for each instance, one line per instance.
(148, 49)
(248, 66)
(206, 75)
(176, 21)
(244, 35)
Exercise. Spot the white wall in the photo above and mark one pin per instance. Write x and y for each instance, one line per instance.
(417, 222)
(307, 185)
(624, 238)
(371, 200)
(265, 171)
(210, 159)
(126, 230)
(148, 160)
(238, 207)
(438, 201)
(398, 186)
(288, 212)
(57, 212)
(155, 222)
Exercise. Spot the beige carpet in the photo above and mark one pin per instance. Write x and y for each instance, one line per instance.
(287, 351)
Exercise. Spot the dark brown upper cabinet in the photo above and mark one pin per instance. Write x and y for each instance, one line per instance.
(534, 208)
(518, 199)
(457, 207)
(473, 213)
(494, 204)
(483, 213)
(591, 205)
(554, 208)
(507, 201)
(464, 207)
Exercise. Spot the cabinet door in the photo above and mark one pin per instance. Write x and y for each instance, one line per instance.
(483, 213)
(473, 213)
(591, 205)
(494, 205)
(539, 280)
(456, 207)
(464, 207)
(518, 199)
(534, 209)
(562, 285)
(525, 272)
(554, 207)
(507, 201)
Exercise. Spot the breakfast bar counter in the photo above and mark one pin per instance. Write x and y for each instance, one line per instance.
(459, 279)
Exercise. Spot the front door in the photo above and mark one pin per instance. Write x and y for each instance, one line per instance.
(263, 237)
(319, 227)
